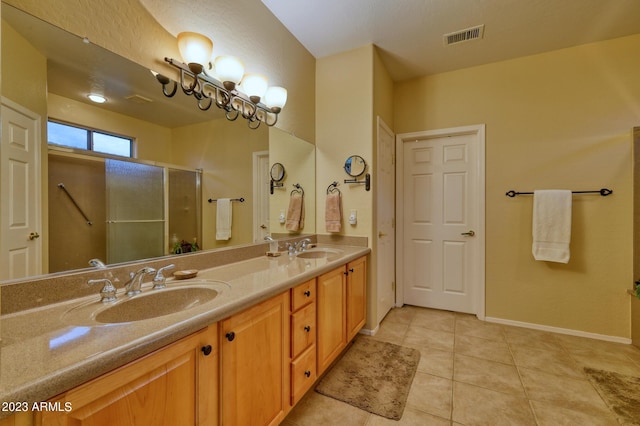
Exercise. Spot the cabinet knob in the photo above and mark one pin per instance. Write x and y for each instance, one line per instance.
(307, 293)
(230, 336)
(307, 328)
(206, 350)
(346, 272)
(307, 373)
(351, 270)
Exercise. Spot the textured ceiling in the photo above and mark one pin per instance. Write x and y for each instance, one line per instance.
(410, 33)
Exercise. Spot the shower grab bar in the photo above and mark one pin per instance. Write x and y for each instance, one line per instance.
(604, 192)
(61, 186)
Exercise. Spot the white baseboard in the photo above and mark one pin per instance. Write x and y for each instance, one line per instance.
(567, 331)
(369, 332)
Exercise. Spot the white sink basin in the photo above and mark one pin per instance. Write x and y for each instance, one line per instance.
(320, 252)
(178, 297)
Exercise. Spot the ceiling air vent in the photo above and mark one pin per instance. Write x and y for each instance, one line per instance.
(138, 99)
(468, 34)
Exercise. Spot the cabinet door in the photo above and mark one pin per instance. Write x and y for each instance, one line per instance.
(253, 361)
(167, 387)
(356, 296)
(331, 311)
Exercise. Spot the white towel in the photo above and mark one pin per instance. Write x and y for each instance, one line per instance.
(223, 219)
(552, 225)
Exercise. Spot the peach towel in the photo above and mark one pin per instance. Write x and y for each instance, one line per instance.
(552, 225)
(333, 212)
(295, 214)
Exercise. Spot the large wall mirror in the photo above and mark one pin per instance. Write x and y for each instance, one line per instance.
(182, 157)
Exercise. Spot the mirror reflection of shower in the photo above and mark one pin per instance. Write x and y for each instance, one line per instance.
(136, 209)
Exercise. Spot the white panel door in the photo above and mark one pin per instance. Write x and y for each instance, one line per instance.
(385, 222)
(20, 221)
(440, 222)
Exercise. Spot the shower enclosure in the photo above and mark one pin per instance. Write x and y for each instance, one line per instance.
(136, 210)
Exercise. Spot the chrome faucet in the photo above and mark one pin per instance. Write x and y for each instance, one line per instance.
(297, 247)
(303, 244)
(268, 238)
(135, 280)
(159, 281)
(97, 263)
(108, 292)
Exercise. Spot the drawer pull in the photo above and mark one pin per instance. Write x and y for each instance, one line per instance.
(230, 336)
(206, 350)
(307, 328)
(307, 373)
(307, 293)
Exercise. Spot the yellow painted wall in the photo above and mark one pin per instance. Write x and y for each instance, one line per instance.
(224, 151)
(298, 159)
(344, 105)
(556, 120)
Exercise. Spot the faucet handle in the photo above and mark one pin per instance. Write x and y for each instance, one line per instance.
(159, 279)
(108, 292)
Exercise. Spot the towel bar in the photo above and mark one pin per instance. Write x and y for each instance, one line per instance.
(240, 200)
(604, 192)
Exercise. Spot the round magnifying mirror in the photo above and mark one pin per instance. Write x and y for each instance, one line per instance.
(355, 166)
(277, 172)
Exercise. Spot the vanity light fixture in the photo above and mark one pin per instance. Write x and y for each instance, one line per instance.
(238, 93)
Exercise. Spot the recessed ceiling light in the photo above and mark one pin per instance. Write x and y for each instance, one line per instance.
(99, 99)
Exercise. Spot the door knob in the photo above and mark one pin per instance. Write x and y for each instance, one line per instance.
(34, 235)
(381, 234)
(263, 226)
(470, 233)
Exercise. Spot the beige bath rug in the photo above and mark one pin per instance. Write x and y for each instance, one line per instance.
(620, 392)
(373, 376)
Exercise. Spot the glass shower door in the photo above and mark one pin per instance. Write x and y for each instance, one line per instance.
(135, 211)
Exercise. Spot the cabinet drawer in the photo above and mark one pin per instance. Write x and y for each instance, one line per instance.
(303, 373)
(303, 294)
(303, 329)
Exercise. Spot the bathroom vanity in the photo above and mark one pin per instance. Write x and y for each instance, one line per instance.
(246, 356)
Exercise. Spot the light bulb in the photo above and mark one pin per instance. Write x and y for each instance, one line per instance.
(99, 99)
(255, 86)
(196, 49)
(229, 70)
(275, 98)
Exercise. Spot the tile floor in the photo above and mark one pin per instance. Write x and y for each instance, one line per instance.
(478, 373)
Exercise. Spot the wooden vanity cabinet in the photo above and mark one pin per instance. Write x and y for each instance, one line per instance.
(254, 358)
(332, 312)
(341, 307)
(175, 385)
(303, 339)
(356, 296)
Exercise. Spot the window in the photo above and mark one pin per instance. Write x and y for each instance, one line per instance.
(91, 140)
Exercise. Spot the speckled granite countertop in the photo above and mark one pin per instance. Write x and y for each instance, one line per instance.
(43, 355)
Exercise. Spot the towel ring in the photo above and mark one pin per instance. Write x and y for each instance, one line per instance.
(333, 188)
(298, 189)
